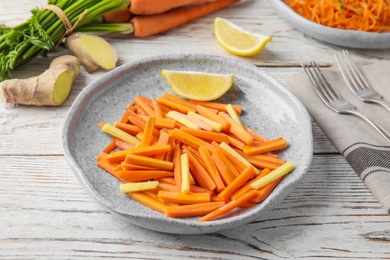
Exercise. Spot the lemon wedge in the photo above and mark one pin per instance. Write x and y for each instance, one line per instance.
(237, 40)
(198, 85)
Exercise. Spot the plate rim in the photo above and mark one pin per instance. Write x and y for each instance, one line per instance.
(84, 98)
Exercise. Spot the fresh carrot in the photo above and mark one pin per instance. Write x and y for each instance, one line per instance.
(368, 16)
(157, 109)
(200, 173)
(148, 131)
(217, 106)
(153, 24)
(174, 105)
(144, 106)
(177, 166)
(206, 135)
(179, 101)
(147, 7)
(146, 161)
(229, 206)
(237, 129)
(211, 168)
(122, 15)
(268, 146)
(224, 171)
(142, 175)
(237, 183)
(128, 128)
(194, 210)
(217, 169)
(183, 198)
(212, 116)
(148, 201)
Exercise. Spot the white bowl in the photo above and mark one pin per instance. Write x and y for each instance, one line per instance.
(269, 108)
(345, 38)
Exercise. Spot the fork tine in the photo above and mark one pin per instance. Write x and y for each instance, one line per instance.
(314, 82)
(351, 73)
(324, 82)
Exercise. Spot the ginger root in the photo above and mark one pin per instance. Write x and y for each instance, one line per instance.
(92, 51)
(51, 88)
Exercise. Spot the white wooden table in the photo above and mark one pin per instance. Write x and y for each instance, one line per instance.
(45, 213)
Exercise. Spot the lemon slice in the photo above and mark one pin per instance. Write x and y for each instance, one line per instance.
(238, 41)
(198, 85)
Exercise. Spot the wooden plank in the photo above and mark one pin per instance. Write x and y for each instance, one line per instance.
(45, 213)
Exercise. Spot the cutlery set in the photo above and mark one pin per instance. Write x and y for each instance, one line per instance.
(357, 83)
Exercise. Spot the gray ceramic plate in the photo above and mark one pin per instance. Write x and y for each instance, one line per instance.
(269, 108)
(345, 38)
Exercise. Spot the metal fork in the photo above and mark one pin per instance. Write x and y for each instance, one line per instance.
(333, 100)
(356, 80)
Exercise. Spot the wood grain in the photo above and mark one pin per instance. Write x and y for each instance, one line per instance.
(46, 214)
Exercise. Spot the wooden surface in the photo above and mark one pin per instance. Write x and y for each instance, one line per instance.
(45, 213)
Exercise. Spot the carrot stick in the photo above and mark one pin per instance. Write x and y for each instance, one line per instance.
(145, 107)
(177, 167)
(237, 130)
(116, 132)
(212, 116)
(100, 124)
(200, 173)
(123, 145)
(236, 156)
(147, 7)
(256, 136)
(174, 106)
(122, 15)
(142, 175)
(221, 155)
(179, 101)
(148, 131)
(230, 206)
(154, 24)
(157, 109)
(128, 128)
(192, 210)
(211, 168)
(146, 161)
(258, 162)
(163, 139)
(206, 135)
(237, 183)
(163, 122)
(110, 147)
(184, 173)
(217, 106)
(247, 187)
(132, 167)
(125, 117)
(148, 201)
(183, 198)
(108, 167)
(268, 146)
(189, 139)
(263, 192)
(217, 127)
(224, 171)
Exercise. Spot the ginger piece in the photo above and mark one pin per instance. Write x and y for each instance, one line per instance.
(92, 51)
(51, 88)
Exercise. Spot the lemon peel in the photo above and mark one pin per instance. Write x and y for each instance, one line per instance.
(199, 86)
(237, 40)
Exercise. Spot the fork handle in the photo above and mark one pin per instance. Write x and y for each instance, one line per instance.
(380, 102)
(375, 125)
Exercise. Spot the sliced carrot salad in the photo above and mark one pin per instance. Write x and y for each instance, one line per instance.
(187, 158)
(369, 15)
